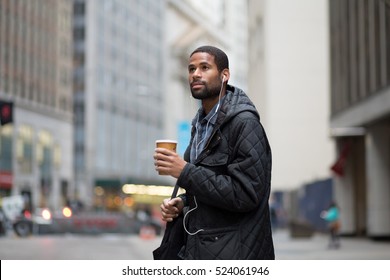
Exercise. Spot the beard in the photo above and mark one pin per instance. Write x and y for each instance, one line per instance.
(205, 92)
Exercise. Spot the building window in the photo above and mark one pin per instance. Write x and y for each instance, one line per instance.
(6, 148)
(24, 149)
(79, 8)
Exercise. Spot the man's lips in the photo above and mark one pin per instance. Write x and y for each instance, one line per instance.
(196, 85)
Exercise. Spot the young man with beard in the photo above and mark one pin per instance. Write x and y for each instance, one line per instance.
(226, 170)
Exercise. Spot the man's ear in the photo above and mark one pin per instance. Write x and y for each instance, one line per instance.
(225, 75)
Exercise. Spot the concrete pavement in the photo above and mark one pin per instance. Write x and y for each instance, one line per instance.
(316, 248)
(132, 247)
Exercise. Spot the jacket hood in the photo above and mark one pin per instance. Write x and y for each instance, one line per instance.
(236, 101)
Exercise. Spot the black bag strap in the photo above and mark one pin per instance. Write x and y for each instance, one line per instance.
(175, 190)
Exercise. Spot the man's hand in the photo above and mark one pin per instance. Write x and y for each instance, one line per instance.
(168, 162)
(171, 208)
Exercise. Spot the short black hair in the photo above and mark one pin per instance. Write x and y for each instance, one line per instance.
(220, 57)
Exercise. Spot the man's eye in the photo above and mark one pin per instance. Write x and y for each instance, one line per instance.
(205, 67)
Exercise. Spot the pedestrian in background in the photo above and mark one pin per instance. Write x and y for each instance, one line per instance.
(226, 170)
(332, 216)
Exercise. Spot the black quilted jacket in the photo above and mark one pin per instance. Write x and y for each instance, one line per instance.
(231, 185)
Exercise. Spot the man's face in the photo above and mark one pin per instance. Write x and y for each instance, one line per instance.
(203, 76)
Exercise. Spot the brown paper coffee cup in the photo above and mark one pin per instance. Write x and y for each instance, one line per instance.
(167, 144)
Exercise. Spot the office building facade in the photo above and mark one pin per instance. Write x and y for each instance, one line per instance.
(289, 84)
(36, 78)
(360, 110)
(118, 94)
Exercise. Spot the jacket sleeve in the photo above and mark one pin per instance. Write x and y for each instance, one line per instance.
(247, 178)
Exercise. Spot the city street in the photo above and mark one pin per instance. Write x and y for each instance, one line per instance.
(132, 247)
(77, 247)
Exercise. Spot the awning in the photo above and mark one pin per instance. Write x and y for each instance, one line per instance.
(6, 179)
(339, 166)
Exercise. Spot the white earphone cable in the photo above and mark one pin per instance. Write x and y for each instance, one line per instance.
(184, 220)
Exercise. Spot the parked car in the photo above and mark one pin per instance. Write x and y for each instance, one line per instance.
(25, 222)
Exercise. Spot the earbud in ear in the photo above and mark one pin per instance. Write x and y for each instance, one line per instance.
(223, 78)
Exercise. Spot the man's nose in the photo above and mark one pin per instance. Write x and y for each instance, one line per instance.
(196, 74)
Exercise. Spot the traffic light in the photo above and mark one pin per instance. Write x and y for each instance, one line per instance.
(6, 112)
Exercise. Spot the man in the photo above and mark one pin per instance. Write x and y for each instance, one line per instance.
(226, 170)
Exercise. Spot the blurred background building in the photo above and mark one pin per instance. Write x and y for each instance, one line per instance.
(86, 87)
(36, 156)
(289, 83)
(360, 113)
(118, 94)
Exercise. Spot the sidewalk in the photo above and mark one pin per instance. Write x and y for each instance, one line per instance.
(139, 247)
(316, 248)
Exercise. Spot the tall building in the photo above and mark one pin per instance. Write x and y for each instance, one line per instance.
(118, 94)
(36, 77)
(360, 110)
(289, 83)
